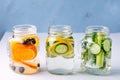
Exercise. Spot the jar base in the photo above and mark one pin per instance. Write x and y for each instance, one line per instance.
(97, 71)
(22, 69)
(60, 71)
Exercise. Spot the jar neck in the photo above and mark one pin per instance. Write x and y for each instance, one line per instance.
(24, 30)
(60, 30)
(92, 29)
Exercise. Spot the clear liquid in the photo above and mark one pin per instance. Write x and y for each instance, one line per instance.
(93, 69)
(60, 65)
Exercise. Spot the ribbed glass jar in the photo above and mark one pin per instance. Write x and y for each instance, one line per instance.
(23, 49)
(96, 50)
(60, 50)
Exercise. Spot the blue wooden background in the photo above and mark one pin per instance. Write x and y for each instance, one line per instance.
(77, 13)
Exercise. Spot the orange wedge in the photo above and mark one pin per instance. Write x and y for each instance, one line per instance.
(23, 52)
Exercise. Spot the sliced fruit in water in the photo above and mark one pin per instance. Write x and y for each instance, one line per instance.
(67, 50)
(70, 52)
(50, 53)
(107, 44)
(94, 48)
(71, 55)
(61, 48)
(98, 37)
(30, 64)
(33, 38)
(52, 49)
(100, 59)
(23, 52)
(67, 40)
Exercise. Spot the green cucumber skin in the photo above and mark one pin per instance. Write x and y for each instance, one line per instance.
(61, 44)
(94, 47)
(109, 45)
(100, 58)
(98, 37)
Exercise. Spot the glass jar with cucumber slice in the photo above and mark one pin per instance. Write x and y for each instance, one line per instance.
(96, 50)
(60, 49)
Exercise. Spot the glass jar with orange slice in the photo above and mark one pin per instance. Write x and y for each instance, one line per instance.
(60, 49)
(23, 49)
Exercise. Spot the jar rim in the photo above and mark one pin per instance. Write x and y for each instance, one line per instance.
(65, 29)
(97, 28)
(24, 29)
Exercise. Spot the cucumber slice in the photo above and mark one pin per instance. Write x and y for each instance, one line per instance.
(98, 37)
(94, 48)
(107, 44)
(61, 48)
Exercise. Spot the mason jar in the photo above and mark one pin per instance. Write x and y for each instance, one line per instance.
(23, 49)
(96, 50)
(60, 50)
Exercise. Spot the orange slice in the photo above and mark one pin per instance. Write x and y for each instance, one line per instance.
(30, 64)
(23, 52)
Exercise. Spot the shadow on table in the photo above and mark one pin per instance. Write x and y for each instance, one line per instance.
(115, 72)
(43, 69)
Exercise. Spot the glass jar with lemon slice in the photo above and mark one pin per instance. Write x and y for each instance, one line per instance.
(96, 50)
(60, 49)
(23, 49)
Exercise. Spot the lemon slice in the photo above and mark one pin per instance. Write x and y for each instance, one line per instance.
(57, 46)
(59, 39)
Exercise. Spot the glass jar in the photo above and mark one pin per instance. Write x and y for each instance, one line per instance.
(96, 50)
(60, 50)
(23, 49)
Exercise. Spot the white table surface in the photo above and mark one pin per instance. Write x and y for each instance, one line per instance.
(7, 74)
